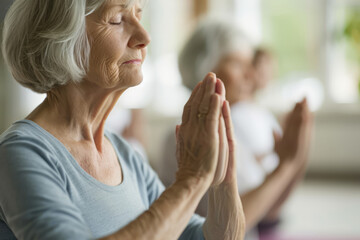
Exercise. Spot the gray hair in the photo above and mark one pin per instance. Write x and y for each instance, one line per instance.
(45, 43)
(211, 41)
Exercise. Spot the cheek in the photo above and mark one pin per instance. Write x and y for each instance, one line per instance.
(233, 75)
(106, 53)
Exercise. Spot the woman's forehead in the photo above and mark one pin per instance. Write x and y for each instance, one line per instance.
(123, 3)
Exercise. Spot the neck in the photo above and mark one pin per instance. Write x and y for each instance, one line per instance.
(77, 112)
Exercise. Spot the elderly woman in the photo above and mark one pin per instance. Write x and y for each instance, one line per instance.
(63, 176)
(267, 171)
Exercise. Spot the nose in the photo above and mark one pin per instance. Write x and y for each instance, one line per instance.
(140, 37)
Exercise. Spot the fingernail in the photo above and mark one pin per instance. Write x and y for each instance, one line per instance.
(210, 76)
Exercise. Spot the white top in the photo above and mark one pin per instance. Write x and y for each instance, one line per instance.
(254, 129)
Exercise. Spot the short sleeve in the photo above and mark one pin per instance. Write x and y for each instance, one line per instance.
(33, 196)
(248, 172)
(193, 230)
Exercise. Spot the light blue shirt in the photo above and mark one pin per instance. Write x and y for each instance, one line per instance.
(45, 194)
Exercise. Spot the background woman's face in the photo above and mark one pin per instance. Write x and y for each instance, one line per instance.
(235, 70)
(264, 71)
(118, 45)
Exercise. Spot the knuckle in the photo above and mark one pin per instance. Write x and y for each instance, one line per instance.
(187, 106)
(203, 108)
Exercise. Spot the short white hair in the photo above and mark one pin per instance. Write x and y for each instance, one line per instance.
(45, 43)
(211, 41)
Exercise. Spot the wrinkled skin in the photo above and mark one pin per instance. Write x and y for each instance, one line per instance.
(206, 147)
(108, 30)
(194, 129)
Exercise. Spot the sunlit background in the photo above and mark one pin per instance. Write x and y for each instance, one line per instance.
(317, 46)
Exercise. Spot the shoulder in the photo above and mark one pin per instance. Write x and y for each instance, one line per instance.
(26, 133)
(29, 157)
(25, 144)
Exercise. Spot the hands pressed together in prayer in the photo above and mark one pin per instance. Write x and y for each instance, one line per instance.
(206, 150)
(293, 146)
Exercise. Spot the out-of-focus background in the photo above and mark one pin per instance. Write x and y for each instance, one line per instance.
(317, 47)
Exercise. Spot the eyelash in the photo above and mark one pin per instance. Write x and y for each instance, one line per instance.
(119, 23)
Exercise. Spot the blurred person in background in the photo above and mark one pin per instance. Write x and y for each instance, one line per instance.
(63, 176)
(271, 160)
(264, 67)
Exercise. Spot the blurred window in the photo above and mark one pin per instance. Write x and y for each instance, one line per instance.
(344, 50)
(292, 30)
(315, 40)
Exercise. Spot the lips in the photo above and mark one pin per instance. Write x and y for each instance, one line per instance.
(133, 61)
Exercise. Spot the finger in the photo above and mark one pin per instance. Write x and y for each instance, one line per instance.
(295, 116)
(177, 129)
(222, 163)
(199, 96)
(187, 107)
(306, 113)
(212, 118)
(231, 168)
(220, 88)
(304, 101)
(210, 83)
(229, 126)
(298, 107)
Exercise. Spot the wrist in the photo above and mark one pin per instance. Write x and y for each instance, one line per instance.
(193, 183)
(287, 168)
(225, 218)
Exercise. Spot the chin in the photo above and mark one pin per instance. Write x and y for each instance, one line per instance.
(137, 82)
(136, 79)
(131, 79)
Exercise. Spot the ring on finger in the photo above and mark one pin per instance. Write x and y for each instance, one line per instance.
(201, 115)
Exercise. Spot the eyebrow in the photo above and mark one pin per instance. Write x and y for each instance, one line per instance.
(113, 8)
(122, 6)
(119, 5)
(127, 3)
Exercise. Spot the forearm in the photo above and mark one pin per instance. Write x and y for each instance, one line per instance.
(225, 218)
(168, 216)
(258, 202)
(275, 209)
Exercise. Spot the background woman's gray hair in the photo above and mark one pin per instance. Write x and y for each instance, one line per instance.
(211, 41)
(45, 42)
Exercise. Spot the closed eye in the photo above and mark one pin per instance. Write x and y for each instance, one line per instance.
(115, 23)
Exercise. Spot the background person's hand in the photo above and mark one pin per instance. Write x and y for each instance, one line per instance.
(295, 142)
(198, 135)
